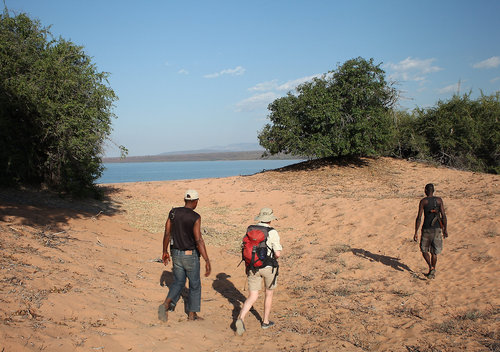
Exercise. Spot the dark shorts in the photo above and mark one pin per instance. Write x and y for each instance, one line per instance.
(431, 241)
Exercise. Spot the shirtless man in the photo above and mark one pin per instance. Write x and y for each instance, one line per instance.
(434, 222)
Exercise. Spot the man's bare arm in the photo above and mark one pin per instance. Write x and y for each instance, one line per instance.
(417, 221)
(445, 220)
(200, 244)
(166, 241)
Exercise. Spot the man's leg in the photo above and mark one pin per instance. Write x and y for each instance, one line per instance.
(425, 247)
(432, 271)
(174, 291)
(192, 264)
(436, 248)
(427, 258)
(268, 301)
(434, 259)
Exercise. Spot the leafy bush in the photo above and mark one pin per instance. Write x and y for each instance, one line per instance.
(55, 109)
(346, 112)
(409, 143)
(460, 132)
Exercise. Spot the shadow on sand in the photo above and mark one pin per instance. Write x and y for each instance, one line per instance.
(315, 164)
(384, 259)
(49, 210)
(227, 289)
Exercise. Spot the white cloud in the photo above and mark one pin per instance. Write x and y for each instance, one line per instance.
(284, 87)
(256, 102)
(412, 69)
(271, 91)
(291, 85)
(183, 72)
(493, 80)
(237, 71)
(492, 62)
(452, 88)
(265, 86)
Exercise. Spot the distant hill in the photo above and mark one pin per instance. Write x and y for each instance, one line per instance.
(200, 156)
(238, 147)
(240, 151)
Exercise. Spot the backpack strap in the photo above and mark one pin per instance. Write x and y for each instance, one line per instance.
(276, 268)
(437, 214)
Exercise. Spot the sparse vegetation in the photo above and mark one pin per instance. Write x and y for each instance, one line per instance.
(341, 291)
(467, 326)
(491, 234)
(331, 256)
(481, 257)
(473, 314)
(401, 293)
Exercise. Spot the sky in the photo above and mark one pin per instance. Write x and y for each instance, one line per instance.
(196, 74)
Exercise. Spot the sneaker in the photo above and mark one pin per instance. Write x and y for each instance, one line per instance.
(240, 327)
(266, 326)
(162, 313)
(171, 307)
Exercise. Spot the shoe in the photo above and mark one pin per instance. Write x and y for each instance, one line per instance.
(171, 307)
(267, 326)
(240, 327)
(162, 313)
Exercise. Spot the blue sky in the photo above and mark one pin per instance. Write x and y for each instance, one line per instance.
(196, 74)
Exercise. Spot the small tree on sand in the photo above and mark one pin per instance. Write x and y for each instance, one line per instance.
(346, 112)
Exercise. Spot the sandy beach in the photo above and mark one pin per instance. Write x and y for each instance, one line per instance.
(87, 276)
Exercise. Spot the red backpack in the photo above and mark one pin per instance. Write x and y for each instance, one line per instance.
(254, 248)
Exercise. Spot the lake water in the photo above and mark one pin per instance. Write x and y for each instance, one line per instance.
(186, 170)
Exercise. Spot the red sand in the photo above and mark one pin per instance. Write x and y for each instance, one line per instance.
(85, 277)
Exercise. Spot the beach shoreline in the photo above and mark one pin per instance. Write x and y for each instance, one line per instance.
(80, 276)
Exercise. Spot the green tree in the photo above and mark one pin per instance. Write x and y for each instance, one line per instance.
(409, 142)
(55, 109)
(463, 133)
(346, 112)
(489, 150)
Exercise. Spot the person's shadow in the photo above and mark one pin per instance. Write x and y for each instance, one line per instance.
(226, 288)
(166, 279)
(386, 260)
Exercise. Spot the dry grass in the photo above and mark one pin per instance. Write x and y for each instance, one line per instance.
(150, 216)
(481, 258)
(491, 234)
(332, 254)
(473, 324)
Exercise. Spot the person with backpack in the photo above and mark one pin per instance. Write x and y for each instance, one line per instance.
(260, 250)
(183, 234)
(435, 222)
